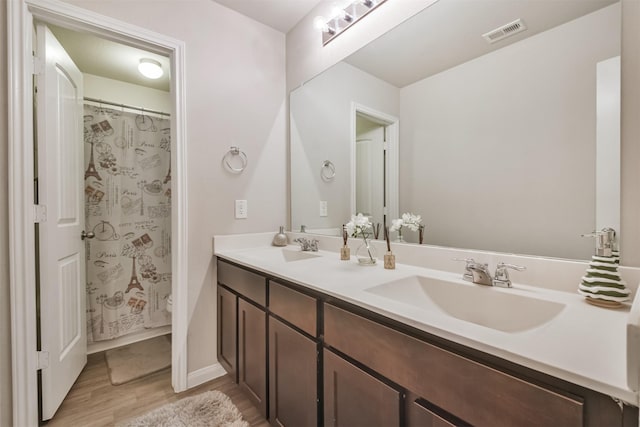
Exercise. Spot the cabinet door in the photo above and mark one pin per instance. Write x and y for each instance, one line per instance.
(421, 413)
(293, 377)
(252, 357)
(353, 398)
(227, 332)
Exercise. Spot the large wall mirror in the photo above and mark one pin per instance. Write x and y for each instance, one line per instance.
(509, 142)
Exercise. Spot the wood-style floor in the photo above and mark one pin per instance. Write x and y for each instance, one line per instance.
(94, 402)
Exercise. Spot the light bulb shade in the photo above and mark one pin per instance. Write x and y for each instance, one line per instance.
(150, 68)
(319, 23)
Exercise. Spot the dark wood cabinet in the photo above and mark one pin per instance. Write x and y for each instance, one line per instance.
(252, 353)
(227, 331)
(293, 377)
(469, 390)
(420, 413)
(295, 307)
(374, 371)
(353, 398)
(250, 285)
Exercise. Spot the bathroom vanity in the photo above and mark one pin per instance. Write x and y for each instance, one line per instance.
(313, 340)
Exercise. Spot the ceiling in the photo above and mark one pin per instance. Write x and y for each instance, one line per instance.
(282, 15)
(100, 57)
(446, 34)
(104, 58)
(449, 33)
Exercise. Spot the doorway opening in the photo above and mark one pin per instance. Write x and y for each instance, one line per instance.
(22, 16)
(374, 165)
(126, 182)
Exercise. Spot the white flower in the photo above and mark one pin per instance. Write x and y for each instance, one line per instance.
(358, 224)
(396, 224)
(411, 221)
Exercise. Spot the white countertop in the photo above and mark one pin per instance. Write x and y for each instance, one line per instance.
(583, 344)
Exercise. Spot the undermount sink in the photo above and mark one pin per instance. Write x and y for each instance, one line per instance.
(493, 308)
(290, 255)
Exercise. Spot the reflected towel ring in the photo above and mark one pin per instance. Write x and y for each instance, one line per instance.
(235, 151)
(327, 171)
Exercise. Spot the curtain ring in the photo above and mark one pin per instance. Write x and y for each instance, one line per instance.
(235, 151)
(327, 171)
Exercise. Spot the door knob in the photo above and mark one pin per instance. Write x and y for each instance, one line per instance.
(85, 235)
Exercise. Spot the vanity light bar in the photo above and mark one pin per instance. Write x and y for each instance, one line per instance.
(344, 18)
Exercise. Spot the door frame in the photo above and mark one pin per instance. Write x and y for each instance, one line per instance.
(22, 267)
(392, 124)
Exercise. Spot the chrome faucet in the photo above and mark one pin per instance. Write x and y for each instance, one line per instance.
(502, 274)
(468, 275)
(479, 273)
(307, 244)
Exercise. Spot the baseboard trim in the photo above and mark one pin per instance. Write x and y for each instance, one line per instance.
(205, 374)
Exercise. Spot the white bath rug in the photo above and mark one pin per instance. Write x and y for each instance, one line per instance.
(210, 409)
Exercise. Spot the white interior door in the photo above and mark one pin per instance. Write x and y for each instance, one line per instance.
(62, 252)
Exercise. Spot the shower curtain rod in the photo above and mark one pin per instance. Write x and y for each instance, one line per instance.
(144, 110)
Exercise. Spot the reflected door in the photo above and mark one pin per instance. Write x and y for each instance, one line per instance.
(370, 169)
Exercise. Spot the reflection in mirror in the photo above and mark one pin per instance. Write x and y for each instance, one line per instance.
(374, 189)
(510, 146)
(369, 191)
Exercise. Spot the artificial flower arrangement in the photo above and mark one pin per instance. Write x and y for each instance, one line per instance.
(360, 226)
(412, 222)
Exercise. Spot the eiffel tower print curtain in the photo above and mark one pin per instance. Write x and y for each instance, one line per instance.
(128, 208)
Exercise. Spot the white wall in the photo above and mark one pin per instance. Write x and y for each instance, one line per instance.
(125, 93)
(5, 318)
(312, 141)
(630, 133)
(499, 153)
(608, 144)
(235, 93)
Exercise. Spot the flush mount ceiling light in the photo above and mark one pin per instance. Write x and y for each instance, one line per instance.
(150, 68)
(343, 18)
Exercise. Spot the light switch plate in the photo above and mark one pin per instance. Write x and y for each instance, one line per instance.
(241, 209)
(323, 208)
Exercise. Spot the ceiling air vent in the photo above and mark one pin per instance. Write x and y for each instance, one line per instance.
(505, 31)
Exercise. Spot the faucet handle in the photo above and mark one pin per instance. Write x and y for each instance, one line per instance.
(468, 275)
(502, 273)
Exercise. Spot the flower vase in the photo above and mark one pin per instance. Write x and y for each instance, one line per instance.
(399, 239)
(366, 254)
(345, 253)
(389, 261)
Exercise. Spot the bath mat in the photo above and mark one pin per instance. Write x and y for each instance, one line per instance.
(136, 360)
(209, 409)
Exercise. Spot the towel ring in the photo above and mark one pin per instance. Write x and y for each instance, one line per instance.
(327, 171)
(235, 151)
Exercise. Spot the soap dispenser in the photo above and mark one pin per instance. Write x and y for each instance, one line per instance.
(602, 284)
(280, 239)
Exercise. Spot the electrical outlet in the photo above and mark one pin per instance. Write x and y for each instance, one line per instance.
(241, 209)
(323, 208)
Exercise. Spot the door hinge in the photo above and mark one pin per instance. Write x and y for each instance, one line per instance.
(37, 66)
(43, 360)
(39, 213)
(385, 146)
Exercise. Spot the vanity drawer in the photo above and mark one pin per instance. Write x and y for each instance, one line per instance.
(421, 413)
(249, 285)
(469, 390)
(294, 307)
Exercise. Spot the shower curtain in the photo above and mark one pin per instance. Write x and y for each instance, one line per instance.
(128, 208)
